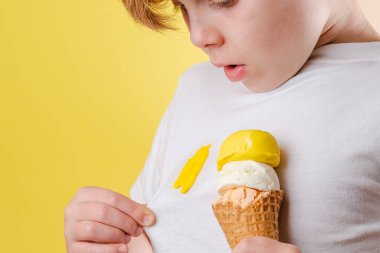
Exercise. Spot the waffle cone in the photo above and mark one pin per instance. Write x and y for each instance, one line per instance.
(257, 217)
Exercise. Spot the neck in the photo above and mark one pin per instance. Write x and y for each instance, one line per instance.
(347, 23)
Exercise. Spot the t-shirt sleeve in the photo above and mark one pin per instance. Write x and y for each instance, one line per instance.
(147, 183)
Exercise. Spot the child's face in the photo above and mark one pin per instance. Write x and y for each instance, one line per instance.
(271, 38)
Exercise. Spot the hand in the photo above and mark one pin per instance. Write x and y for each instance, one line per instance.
(259, 244)
(99, 220)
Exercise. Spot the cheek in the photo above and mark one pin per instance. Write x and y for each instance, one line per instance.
(271, 29)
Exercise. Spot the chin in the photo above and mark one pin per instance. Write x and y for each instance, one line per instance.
(264, 83)
(259, 88)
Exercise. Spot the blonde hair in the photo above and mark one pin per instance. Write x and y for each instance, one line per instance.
(151, 13)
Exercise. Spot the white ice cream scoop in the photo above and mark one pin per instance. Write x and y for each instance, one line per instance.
(248, 173)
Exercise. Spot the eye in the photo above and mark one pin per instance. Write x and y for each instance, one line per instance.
(219, 4)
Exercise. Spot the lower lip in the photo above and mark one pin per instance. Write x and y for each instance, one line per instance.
(234, 73)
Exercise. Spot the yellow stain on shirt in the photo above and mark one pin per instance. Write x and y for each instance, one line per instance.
(191, 170)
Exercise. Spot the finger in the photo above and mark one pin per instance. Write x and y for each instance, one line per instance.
(140, 213)
(260, 244)
(86, 247)
(90, 231)
(108, 215)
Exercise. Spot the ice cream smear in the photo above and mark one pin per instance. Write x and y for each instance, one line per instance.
(247, 173)
(191, 170)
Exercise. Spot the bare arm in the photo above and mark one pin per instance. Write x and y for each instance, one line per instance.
(140, 244)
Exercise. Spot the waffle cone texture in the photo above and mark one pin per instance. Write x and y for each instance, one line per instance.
(257, 217)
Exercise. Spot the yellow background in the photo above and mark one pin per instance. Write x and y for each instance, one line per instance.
(82, 90)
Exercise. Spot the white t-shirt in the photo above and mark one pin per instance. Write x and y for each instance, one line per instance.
(326, 120)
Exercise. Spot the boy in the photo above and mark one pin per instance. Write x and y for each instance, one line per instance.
(306, 71)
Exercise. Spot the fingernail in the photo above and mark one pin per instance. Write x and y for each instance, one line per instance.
(138, 231)
(127, 238)
(122, 249)
(148, 220)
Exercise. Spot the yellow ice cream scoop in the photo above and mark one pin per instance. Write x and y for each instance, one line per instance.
(256, 145)
(191, 169)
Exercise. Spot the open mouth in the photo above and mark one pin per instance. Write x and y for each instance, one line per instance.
(234, 72)
(231, 67)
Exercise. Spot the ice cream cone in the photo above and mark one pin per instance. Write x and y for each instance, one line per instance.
(245, 211)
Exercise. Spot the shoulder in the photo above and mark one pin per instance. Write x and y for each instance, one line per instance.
(202, 83)
(199, 68)
(202, 72)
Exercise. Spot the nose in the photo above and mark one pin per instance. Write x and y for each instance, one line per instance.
(205, 34)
